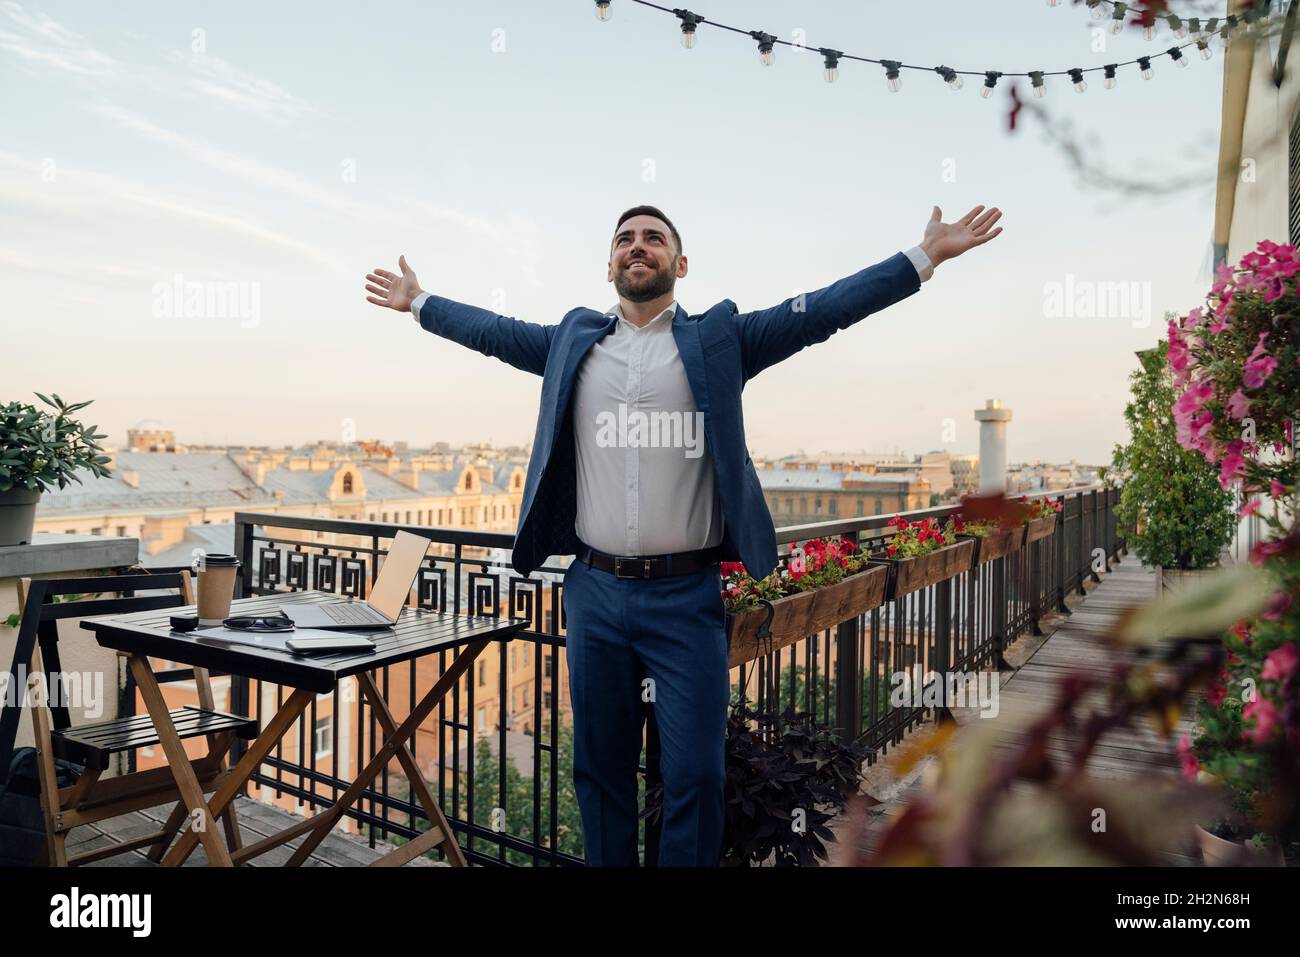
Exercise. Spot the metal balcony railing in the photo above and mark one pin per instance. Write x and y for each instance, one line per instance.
(508, 814)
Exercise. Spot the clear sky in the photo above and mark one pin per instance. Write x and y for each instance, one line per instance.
(495, 142)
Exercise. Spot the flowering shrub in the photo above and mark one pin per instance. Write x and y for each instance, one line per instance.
(1236, 368)
(916, 538)
(819, 562)
(1040, 507)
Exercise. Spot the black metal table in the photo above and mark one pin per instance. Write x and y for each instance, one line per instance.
(418, 632)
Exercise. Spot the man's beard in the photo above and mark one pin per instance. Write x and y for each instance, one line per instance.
(660, 283)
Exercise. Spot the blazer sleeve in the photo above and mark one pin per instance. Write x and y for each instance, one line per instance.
(772, 335)
(524, 345)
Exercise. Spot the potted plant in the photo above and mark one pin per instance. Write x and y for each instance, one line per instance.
(39, 449)
(920, 554)
(1040, 518)
(1236, 382)
(992, 539)
(1172, 494)
(787, 776)
(823, 582)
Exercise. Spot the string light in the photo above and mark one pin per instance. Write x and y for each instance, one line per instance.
(950, 76)
(891, 74)
(689, 23)
(1117, 18)
(831, 59)
(766, 52)
(1200, 35)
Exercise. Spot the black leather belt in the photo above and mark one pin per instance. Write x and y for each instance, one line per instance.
(650, 566)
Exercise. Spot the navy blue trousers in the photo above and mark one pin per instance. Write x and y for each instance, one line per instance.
(660, 640)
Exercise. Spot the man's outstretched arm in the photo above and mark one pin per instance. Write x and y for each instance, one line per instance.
(772, 335)
(524, 345)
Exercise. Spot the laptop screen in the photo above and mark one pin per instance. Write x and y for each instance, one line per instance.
(398, 571)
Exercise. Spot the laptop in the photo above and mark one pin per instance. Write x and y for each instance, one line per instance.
(386, 599)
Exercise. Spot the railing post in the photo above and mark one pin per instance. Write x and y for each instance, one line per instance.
(1096, 538)
(1060, 540)
(942, 645)
(848, 704)
(1035, 586)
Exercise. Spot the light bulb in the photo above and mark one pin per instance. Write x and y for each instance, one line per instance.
(1098, 11)
(831, 59)
(893, 84)
(1076, 77)
(1206, 52)
(1036, 79)
(1144, 64)
(602, 10)
(767, 57)
(955, 82)
(1053, 3)
(1176, 55)
(1149, 32)
(1177, 25)
(1110, 77)
(688, 39)
(891, 75)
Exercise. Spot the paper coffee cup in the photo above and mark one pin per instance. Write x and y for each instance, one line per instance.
(216, 587)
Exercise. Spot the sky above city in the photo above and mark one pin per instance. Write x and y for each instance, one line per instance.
(156, 148)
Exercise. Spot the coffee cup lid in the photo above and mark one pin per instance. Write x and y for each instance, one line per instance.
(217, 560)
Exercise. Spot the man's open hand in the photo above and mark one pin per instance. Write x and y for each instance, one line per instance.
(393, 291)
(944, 241)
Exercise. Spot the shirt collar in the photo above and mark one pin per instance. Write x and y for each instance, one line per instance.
(616, 310)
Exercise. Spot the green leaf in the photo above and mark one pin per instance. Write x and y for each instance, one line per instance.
(1213, 604)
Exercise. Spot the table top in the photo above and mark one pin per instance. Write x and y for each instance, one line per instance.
(418, 632)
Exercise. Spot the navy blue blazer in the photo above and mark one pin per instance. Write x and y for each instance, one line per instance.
(721, 350)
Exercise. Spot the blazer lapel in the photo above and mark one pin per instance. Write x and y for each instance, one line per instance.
(687, 335)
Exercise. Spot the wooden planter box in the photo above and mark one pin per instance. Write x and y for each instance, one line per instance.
(907, 575)
(995, 545)
(795, 617)
(1040, 527)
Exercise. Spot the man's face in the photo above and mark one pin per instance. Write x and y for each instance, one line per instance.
(643, 261)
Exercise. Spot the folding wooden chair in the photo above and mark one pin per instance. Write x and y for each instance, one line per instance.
(91, 746)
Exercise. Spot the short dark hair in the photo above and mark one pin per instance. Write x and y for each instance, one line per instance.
(657, 213)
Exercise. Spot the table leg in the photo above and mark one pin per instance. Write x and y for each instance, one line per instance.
(455, 855)
(235, 779)
(201, 819)
(330, 817)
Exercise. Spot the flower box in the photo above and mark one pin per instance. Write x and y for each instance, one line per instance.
(1040, 527)
(995, 544)
(795, 617)
(907, 575)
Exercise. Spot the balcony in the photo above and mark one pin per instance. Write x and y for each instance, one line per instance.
(499, 741)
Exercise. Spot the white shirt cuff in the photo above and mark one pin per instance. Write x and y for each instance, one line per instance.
(418, 301)
(924, 268)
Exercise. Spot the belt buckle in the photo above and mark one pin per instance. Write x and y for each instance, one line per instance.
(618, 567)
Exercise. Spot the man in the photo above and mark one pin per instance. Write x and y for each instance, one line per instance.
(640, 470)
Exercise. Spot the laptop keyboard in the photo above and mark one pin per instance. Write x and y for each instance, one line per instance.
(354, 614)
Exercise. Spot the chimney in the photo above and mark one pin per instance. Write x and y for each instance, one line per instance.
(410, 476)
(484, 473)
(131, 477)
(993, 421)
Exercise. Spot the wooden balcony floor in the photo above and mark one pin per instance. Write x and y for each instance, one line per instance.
(1071, 645)
(256, 821)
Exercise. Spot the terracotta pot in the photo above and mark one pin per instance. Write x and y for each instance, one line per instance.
(912, 574)
(996, 544)
(1173, 581)
(1220, 852)
(795, 617)
(1040, 528)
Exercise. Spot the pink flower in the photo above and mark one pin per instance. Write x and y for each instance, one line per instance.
(1178, 355)
(1187, 759)
(1238, 405)
(1276, 489)
(1250, 508)
(1259, 365)
(1233, 464)
(1265, 717)
(1281, 663)
(1278, 607)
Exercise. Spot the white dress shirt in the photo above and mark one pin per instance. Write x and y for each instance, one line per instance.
(645, 472)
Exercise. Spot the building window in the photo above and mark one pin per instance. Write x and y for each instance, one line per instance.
(408, 517)
(525, 690)
(789, 506)
(323, 737)
(347, 483)
(546, 699)
(880, 505)
(514, 658)
(482, 673)
(546, 665)
(817, 505)
(860, 508)
(482, 719)
(121, 531)
(835, 505)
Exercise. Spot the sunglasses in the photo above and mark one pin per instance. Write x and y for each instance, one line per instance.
(260, 623)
